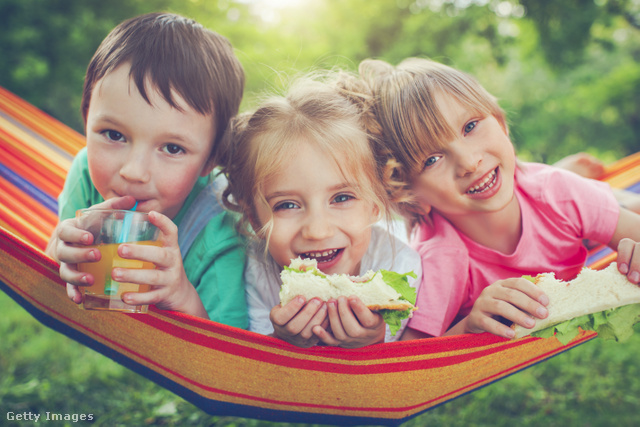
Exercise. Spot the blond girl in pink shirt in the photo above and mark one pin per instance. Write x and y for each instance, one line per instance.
(479, 218)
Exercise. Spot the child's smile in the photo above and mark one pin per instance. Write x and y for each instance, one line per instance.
(486, 184)
(316, 213)
(474, 172)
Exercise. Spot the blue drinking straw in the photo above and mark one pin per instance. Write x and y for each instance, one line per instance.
(126, 225)
(110, 285)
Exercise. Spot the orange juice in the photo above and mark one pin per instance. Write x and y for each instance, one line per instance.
(106, 293)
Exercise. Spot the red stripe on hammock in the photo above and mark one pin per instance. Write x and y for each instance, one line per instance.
(28, 208)
(185, 379)
(42, 123)
(25, 166)
(314, 364)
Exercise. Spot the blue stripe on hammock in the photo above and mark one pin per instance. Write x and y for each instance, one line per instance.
(635, 187)
(28, 188)
(210, 406)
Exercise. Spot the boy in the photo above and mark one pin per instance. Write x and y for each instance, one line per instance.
(158, 95)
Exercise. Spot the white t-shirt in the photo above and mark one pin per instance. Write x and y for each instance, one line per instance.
(262, 275)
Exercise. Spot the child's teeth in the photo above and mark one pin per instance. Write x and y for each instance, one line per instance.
(320, 254)
(484, 185)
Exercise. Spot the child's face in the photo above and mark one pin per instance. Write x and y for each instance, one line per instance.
(474, 173)
(154, 153)
(316, 214)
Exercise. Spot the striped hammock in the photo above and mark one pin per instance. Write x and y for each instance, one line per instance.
(224, 370)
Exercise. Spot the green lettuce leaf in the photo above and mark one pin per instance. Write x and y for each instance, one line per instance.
(400, 283)
(394, 319)
(313, 271)
(614, 324)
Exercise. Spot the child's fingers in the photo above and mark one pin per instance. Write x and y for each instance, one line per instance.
(496, 328)
(478, 322)
(512, 306)
(69, 233)
(520, 293)
(69, 274)
(367, 318)
(167, 227)
(151, 297)
(629, 259)
(529, 289)
(77, 254)
(324, 336)
(74, 293)
(335, 320)
(296, 316)
(350, 322)
(281, 315)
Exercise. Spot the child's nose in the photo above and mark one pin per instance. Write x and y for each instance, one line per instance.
(135, 168)
(317, 227)
(468, 162)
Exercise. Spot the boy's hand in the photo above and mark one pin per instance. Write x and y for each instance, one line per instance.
(353, 325)
(629, 259)
(170, 287)
(68, 247)
(515, 299)
(295, 321)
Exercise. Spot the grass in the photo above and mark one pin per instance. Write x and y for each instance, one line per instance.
(596, 384)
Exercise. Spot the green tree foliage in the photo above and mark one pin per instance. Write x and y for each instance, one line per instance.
(566, 72)
(45, 47)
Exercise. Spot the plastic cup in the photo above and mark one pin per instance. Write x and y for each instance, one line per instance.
(110, 228)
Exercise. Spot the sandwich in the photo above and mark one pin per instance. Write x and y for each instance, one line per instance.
(599, 300)
(385, 292)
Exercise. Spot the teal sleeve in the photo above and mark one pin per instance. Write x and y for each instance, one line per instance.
(78, 191)
(215, 266)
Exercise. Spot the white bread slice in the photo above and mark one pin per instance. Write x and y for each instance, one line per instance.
(370, 288)
(591, 291)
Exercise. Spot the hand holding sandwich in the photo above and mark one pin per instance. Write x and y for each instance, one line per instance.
(345, 322)
(294, 322)
(511, 299)
(342, 310)
(352, 324)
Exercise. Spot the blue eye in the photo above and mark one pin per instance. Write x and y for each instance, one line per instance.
(470, 126)
(113, 135)
(431, 161)
(285, 206)
(341, 198)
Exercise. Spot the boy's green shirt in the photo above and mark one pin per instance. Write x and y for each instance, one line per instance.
(215, 262)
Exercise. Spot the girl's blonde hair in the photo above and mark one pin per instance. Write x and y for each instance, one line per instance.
(331, 111)
(412, 122)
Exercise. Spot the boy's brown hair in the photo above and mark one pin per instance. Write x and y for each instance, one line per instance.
(173, 53)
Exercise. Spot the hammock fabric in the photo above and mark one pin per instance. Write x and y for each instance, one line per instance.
(224, 370)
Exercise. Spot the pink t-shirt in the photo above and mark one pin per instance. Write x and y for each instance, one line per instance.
(559, 210)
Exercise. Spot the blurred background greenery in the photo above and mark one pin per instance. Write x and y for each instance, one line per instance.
(566, 72)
